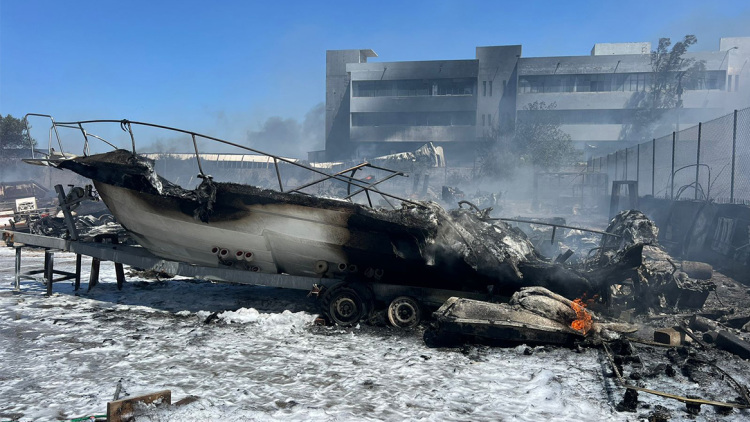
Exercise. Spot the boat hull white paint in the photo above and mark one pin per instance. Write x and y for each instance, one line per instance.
(283, 238)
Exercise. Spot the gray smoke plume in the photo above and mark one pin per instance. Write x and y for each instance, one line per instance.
(289, 137)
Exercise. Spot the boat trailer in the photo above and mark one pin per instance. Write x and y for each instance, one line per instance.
(405, 301)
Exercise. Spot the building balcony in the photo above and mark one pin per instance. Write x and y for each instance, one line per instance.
(410, 104)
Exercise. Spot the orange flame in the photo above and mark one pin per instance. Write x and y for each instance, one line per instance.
(582, 322)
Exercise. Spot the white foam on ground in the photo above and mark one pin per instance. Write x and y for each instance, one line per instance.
(63, 356)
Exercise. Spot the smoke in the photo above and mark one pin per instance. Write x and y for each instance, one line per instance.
(289, 137)
(283, 136)
(170, 145)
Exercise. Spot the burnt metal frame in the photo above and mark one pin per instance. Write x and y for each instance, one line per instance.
(126, 125)
(554, 227)
(543, 223)
(697, 167)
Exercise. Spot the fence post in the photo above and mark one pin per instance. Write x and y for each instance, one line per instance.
(617, 167)
(698, 161)
(653, 166)
(638, 163)
(608, 166)
(734, 154)
(671, 190)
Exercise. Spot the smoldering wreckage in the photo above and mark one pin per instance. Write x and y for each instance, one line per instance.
(459, 274)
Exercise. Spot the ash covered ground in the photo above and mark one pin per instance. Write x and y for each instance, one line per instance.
(263, 359)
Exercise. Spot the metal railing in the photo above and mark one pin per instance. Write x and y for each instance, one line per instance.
(127, 126)
(718, 151)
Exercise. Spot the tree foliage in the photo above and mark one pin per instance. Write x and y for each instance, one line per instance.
(13, 137)
(495, 160)
(538, 139)
(670, 73)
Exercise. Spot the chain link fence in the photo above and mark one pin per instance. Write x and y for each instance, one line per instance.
(708, 161)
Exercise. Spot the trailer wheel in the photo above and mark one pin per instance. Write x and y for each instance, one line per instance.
(404, 312)
(344, 305)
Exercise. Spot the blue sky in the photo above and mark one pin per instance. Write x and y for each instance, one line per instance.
(225, 67)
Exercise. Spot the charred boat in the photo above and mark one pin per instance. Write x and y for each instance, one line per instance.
(348, 246)
(263, 230)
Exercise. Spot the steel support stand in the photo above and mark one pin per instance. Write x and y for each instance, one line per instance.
(49, 269)
(120, 273)
(18, 269)
(96, 263)
(77, 283)
(94, 274)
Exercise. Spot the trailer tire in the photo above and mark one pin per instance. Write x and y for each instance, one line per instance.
(344, 305)
(404, 312)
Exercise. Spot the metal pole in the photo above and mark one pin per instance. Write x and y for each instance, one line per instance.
(77, 284)
(197, 155)
(18, 268)
(626, 163)
(85, 141)
(278, 174)
(638, 163)
(653, 166)
(734, 154)
(674, 141)
(616, 164)
(68, 216)
(49, 264)
(698, 160)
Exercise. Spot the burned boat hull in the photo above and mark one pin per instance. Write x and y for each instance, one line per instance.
(261, 230)
(270, 238)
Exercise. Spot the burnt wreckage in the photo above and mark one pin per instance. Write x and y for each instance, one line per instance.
(352, 249)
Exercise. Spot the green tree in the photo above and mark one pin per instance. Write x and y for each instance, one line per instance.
(657, 107)
(539, 141)
(13, 137)
(494, 161)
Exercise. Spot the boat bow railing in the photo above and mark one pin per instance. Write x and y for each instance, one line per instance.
(346, 176)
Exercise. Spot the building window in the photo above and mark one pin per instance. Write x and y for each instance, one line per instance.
(489, 120)
(605, 82)
(484, 88)
(445, 118)
(414, 88)
(638, 81)
(483, 122)
(490, 88)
